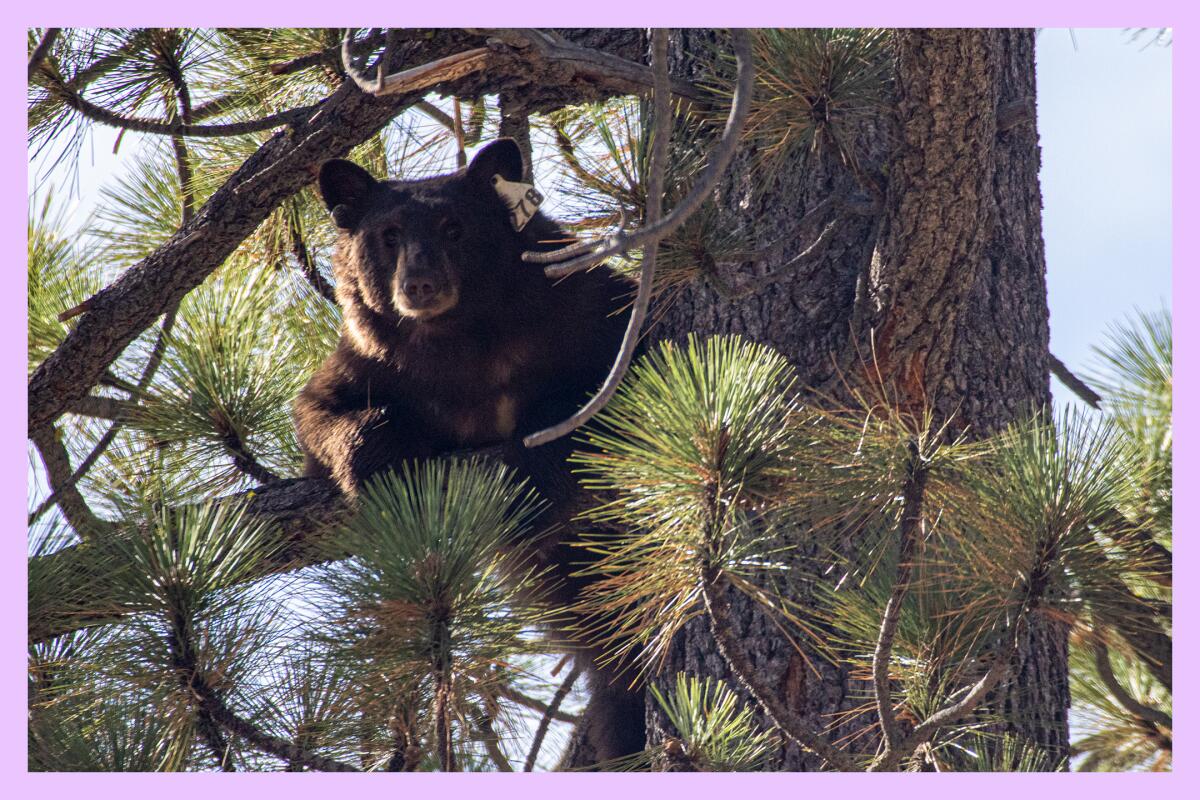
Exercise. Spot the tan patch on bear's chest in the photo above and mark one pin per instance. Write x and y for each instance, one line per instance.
(492, 420)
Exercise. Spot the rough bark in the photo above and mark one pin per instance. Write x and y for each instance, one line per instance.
(950, 286)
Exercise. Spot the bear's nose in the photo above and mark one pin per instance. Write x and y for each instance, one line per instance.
(420, 290)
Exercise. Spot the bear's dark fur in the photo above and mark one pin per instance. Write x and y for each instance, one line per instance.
(450, 342)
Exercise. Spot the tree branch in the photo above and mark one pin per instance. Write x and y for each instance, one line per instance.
(1159, 722)
(912, 529)
(663, 122)
(279, 168)
(72, 98)
(521, 699)
(302, 509)
(1069, 379)
(718, 160)
(48, 440)
(550, 714)
(42, 50)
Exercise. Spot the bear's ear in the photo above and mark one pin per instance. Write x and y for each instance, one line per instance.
(346, 188)
(502, 157)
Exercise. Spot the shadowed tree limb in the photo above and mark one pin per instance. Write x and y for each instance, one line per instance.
(42, 50)
(1157, 723)
(550, 714)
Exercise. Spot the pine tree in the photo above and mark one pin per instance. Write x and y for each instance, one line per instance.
(840, 524)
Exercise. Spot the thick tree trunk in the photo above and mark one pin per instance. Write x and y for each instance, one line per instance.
(947, 294)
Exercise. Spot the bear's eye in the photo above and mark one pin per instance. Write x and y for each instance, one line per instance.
(391, 237)
(452, 230)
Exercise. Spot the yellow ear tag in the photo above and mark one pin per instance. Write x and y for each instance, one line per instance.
(521, 198)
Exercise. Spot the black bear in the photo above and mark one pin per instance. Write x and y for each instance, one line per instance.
(450, 341)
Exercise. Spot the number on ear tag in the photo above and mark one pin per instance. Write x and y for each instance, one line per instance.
(521, 199)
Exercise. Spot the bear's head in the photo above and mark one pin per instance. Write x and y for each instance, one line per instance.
(428, 250)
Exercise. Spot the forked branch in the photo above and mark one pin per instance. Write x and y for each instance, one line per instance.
(655, 228)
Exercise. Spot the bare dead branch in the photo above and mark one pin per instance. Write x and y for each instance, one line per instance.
(1074, 383)
(42, 50)
(655, 229)
(415, 79)
(663, 122)
(550, 714)
(718, 161)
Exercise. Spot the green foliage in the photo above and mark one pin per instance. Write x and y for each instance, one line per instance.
(220, 400)
(421, 606)
(604, 156)
(692, 450)
(60, 273)
(1113, 737)
(716, 733)
(815, 88)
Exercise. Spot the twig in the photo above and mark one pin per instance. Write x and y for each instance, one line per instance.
(912, 529)
(805, 256)
(435, 113)
(280, 748)
(308, 267)
(441, 724)
(72, 98)
(456, 127)
(514, 123)
(491, 741)
(550, 714)
(42, 50)
(109, 408)
(57, 460)
(655, 229)
(1073, 382)
(925, 731)
(521, 699)
(135, 391)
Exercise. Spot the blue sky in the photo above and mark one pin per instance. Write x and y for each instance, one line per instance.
(1104, 115)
